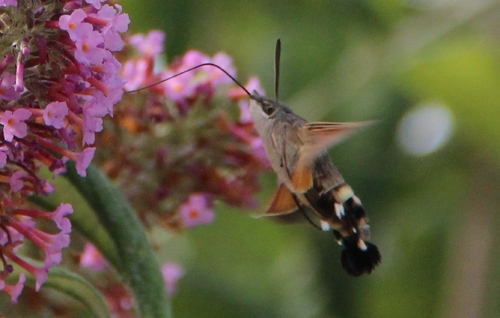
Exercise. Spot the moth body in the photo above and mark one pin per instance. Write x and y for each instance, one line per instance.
(310, 183)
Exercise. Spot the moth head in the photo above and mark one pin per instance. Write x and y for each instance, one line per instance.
(266, 107)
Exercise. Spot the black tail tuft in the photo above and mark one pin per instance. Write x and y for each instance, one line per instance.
(356, 261)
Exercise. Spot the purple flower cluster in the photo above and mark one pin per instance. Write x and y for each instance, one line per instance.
(58, 79)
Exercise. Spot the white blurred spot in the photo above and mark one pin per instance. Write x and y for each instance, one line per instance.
(425, 128)
(339, 210)
(324, 225)
(362, 245)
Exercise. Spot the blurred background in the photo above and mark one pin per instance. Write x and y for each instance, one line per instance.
(428, 173)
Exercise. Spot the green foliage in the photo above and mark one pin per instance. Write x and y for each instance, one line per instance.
(137, 262)
(73, 285)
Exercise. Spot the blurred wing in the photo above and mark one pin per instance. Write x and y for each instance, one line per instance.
(283, 203)
(316, 138)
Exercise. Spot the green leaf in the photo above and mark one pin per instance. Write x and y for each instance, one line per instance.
(77, 287)
(137, 262)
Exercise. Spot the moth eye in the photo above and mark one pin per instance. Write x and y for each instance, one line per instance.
(268, 109)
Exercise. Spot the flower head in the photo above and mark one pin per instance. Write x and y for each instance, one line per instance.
(50, 70)
(183, 143)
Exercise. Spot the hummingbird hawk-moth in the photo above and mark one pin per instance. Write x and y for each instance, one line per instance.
(309, 182)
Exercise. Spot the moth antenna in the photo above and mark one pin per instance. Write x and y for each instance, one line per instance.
(189, 70)
(277, 58)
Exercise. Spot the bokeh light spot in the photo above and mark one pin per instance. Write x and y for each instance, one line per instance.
(425, 128)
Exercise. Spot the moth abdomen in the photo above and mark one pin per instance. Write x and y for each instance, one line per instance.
(358, 260)
(346, 217)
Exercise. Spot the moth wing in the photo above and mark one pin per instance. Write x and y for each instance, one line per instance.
(283, 203)
(316, 138)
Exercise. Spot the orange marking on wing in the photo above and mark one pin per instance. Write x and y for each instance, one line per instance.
(283, 203)
(302, 179)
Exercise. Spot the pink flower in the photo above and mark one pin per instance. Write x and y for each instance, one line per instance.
(149, 45)
(16, 182)
(88, 48)
(92, 258)
(93, 105)
(135, 73)
(197, 211)
(54, 114)
(116, 23)
(83, 160)
(40, 273)
(13, 123)
(3, 159)
(53, 259)
(113, 41)
(74, 24)
(193, 58)
(95, 3)
(217, 77)
(8, 3)
(179, 88)
(7, 89)
(14, 290)
(171, 274)
(58, 216)
(254, 85)
(49, 243)
(92, 124)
